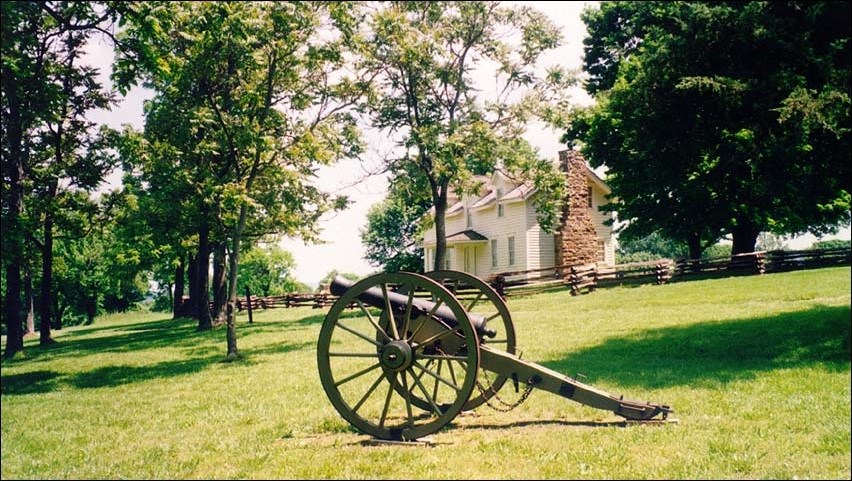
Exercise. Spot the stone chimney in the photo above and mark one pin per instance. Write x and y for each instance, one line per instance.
(576, 240)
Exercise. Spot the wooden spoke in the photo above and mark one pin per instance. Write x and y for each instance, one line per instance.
(435, 389)
(453, 372)
(372, 321)
(480, 296)
(352, 354)
(387, 402)
(369, 391)
(438, 357)
(426, 394)
(389, 311)
(357, 374)
(435, 337)
(407, 395)
(353, 331)
(431, 313)
(407, 319)
(436, 376)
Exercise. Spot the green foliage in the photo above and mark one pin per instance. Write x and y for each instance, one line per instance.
(832, 244)
(326, 280)
(717, 251)
(720, 118)
(267, 270)
(648, 248)
(394, 227)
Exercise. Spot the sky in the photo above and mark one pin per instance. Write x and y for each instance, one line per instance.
(341, 249)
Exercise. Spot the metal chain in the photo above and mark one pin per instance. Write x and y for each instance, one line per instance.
(505, 406)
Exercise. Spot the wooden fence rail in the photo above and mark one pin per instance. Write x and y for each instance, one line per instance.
(588, 277)
(584, 278)
(295, 299)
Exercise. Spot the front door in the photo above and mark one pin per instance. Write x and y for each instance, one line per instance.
(469, 264)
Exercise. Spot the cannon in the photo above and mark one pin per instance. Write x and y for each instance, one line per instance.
(400, 355)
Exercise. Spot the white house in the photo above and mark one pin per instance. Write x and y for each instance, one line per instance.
(497, 231)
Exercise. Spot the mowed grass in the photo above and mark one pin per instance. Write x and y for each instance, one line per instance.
(757, 369)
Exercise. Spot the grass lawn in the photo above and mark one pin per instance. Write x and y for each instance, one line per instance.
(757, 369)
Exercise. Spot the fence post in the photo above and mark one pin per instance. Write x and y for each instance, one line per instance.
(248, 303)
(498, 283)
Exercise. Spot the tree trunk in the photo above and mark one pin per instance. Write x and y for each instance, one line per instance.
(694, 244)
(440, 198)
(192, 285)
(46, 301)
(233, 266)
(58, 312)
(177, 297)
(202, 276)
(12, 232)
(91, 308)
(59, 309)
(220, 287)
(744, 238)
(29, 303)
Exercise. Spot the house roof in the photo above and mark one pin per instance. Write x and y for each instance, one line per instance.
(516, 192)
(453, 209)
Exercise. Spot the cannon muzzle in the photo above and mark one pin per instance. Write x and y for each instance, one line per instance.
(398, 302)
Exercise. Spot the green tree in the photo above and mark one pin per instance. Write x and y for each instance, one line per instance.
(720, 118)
(46, 144)
(831, 244)
(650, 247)
(424, 55)
(325, 282)
(268, 270)
(250, 98)
(393, 227)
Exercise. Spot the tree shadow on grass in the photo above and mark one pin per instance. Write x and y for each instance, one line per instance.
(711, 353)
(32, 382)
(146, 335)
(111, 376)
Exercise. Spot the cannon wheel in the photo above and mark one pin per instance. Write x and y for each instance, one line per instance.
(479, 298)
(367, 380)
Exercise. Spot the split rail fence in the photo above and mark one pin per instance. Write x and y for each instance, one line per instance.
(586, 278)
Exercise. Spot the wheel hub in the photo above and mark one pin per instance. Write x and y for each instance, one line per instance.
(396, 355)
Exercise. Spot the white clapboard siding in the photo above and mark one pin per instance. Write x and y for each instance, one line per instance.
(534, 248)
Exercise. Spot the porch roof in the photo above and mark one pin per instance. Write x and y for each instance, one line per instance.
(469, 236)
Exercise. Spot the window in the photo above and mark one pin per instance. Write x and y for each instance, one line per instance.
(511, 251)
(429, 259)
(499, 210)
(469, 219)
(590, 197)
(493, 252)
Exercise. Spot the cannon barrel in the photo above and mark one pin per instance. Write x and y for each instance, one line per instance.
(375, 298)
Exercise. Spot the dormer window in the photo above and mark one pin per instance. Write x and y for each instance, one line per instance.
(590, 197)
